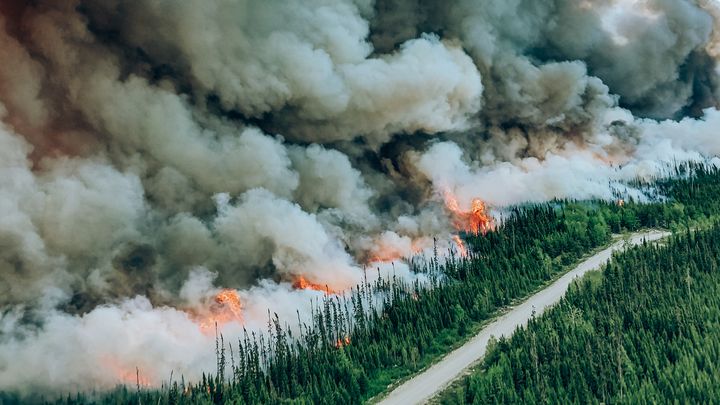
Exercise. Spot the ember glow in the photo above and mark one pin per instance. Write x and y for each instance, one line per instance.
(123, 374)
(386, 255)
(385, 252)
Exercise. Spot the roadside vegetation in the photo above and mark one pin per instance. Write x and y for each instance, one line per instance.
(646, 330)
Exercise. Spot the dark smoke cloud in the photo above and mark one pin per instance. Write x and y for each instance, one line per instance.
(152, 152)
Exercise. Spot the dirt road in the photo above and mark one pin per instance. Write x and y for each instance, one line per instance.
(431, 381)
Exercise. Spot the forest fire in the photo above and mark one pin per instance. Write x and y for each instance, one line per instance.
(226, 307)
(342, 342)
(301, 283)
(475, 221)
(462, 249)
(176, 171)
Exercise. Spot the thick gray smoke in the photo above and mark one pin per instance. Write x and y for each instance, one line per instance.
(154, 152)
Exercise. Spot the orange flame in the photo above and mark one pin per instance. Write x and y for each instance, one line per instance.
(462, 249)
(229, 298)
(301, 283)
(342, 342)
(226, 307)
(474, 221)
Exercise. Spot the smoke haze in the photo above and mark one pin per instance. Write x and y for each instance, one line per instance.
(153, 152)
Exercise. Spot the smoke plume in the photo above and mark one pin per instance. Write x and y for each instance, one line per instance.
(154, 153)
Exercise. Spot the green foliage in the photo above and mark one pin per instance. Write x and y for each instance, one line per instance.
(647, 332)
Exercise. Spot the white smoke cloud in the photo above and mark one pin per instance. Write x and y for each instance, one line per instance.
(308, 60)
(43, 207)
(573, 172)
(155, 152)
(262, 229)
(111, 342)
(641, 49)
(328, 180)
